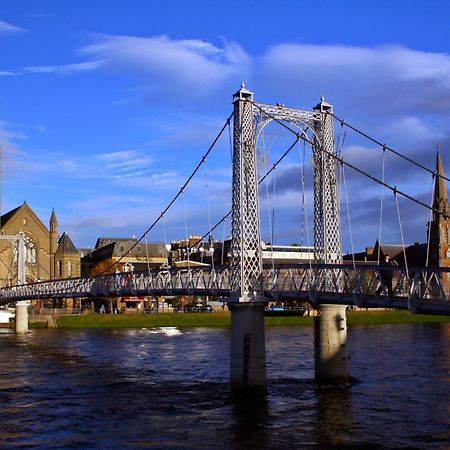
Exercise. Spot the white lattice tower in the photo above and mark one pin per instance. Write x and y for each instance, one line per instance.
(246, 259)
(249, 119)
(327, 228)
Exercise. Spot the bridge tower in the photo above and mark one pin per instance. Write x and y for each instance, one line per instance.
(330, 326)
(247, 352)
(248, 357)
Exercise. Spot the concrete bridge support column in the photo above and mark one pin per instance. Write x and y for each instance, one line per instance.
(248, 346)
(330, 337)
(22, 317)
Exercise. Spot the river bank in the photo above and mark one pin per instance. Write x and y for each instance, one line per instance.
(222, 319)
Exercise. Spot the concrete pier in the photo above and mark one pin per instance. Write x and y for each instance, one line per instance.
(248, 346)
(22, 317)
(330, 338)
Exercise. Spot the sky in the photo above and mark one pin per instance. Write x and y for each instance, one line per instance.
(107, 107)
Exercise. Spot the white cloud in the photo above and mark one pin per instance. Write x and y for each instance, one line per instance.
(67, 69)
(170, 66)
(383, 79)
(411, 129)
(5, 73)
(7, 28)
(126, 163)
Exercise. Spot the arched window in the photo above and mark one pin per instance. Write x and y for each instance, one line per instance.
(59, 267)
(30, 251)
(69, 268)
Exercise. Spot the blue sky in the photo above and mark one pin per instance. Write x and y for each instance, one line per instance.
(106, 107)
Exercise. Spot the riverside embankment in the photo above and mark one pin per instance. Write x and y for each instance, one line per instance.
(222, 319)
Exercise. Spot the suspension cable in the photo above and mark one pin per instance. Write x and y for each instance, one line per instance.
(169, 205)
(274, 178)
(8, 268)
(146, 254)
(338, 150)
(302, 177)
(356, 169)
(209, 213)
(188, 247)
(344, 182)
(381, 205)
(230, 140)
(274, 197)
(395, 152)
(163, 217)
(429, 223)
(261, 180)
(223, 241)
(348, 216)
(269, 218)
(401, 232)
(305, 213)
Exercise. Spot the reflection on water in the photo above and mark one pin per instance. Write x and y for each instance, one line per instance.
(168, 388)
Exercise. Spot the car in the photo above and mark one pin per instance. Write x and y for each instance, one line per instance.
(200, 308)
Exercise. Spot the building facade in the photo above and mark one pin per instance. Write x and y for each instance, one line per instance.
(439, 227)
(121, 254)
(41, 247)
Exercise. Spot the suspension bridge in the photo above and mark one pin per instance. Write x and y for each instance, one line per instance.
(326, 282)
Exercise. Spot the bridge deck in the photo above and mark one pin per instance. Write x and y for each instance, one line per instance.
(419, 290)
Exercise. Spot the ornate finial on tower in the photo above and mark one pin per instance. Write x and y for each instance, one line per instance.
(323, 106)
(243, 93)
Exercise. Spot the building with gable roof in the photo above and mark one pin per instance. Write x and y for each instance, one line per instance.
(67, 258)
(41, 247)
(122, 253)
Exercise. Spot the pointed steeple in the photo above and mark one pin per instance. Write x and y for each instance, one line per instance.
(53, 235)
(440, 198)
(53, 220)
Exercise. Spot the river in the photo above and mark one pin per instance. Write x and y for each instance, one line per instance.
(168, 388)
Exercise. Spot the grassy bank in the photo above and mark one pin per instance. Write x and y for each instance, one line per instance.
(222, 319)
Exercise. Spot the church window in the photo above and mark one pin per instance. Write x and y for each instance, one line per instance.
(30, 251)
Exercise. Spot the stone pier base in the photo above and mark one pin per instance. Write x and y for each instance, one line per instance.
(330, 338)
(22, 317)
(248, 347)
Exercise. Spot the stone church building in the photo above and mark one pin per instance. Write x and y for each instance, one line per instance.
(47, 255)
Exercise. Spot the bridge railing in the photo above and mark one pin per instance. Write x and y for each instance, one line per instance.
(362, 285)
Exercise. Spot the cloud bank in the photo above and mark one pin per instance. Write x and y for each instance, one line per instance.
(400, 95)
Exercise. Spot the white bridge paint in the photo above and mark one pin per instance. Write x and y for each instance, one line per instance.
(419, 290)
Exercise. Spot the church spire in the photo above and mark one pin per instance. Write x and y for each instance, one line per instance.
(53, 235)
(440, 198)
